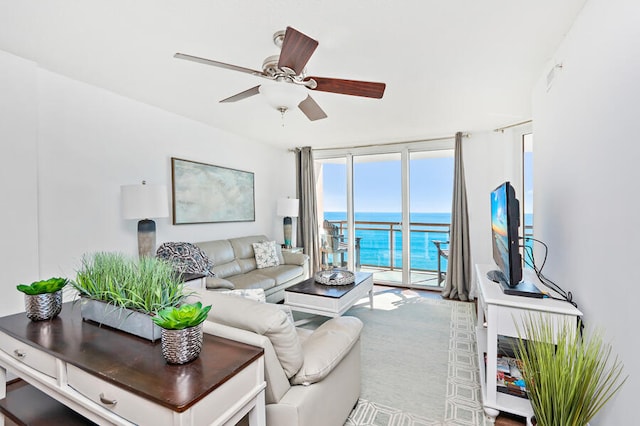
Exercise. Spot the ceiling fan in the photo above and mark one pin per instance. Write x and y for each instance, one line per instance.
(288, 75)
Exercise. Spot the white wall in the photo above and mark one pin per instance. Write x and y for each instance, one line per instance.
(86, 142)
(18, 180)
(490, 158)
(586, 173)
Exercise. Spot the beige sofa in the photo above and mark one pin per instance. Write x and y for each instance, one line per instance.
(313, 377)
(234, 266)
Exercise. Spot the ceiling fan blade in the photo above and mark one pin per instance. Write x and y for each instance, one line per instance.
(242, 95)
(366, 89)
(217, 64)
(311, 109)
(296, 50)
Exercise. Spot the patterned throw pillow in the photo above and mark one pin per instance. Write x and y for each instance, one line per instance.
(266, 254)
(186, 257)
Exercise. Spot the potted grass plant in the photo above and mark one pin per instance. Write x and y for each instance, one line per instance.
(43, 299)
(182, 331)
(570, 381)
(123, 293)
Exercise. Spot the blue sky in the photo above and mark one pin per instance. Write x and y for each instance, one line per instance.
(377, 186)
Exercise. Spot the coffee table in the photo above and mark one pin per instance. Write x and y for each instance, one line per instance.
(328, 300)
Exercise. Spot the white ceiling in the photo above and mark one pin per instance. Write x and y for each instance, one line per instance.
(449, 65)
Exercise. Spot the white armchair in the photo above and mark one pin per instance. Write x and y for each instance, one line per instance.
(313, 376)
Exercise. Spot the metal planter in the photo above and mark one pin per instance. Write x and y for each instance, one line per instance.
(182, 346)
(44, 306)
(127, 320)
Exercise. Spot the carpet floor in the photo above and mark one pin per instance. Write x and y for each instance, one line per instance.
(419, 362)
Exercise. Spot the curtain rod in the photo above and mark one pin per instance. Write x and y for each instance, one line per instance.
(502, 129)
(444, 138)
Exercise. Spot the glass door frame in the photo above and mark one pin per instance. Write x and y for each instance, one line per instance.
(405, 149)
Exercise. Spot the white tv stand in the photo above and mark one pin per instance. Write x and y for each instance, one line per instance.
(497, 315)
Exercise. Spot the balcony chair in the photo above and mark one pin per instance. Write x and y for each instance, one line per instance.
(334, 243)
(442, 253)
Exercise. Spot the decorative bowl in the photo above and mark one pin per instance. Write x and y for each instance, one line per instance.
(335, 277)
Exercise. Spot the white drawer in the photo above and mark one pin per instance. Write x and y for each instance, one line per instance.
(229, 397)
(34, 358)
(119, 401)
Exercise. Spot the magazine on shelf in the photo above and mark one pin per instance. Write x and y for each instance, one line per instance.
(509, 378)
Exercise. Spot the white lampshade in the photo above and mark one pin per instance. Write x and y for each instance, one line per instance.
(283, 95)
(288, 207)
(144, 201)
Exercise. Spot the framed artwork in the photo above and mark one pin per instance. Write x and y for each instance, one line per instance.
(204, 193)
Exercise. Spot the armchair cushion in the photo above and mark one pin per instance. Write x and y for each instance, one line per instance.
(326, 347)
(262, 318)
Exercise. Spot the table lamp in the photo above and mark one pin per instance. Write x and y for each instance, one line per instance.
(288, 207)
(145, 202)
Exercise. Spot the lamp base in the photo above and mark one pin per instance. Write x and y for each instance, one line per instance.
(146, 238)
(287, 225)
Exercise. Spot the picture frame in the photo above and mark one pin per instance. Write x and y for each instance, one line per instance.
(205, 193)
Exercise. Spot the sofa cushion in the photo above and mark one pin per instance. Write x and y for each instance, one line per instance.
(253, 279)
(262, 318)
(186, 257)
(265, 253)
(227, 270)
(294, 258)
(243, 246)
(219, 251)
(218, 283)
(326, 347)
(282, 273)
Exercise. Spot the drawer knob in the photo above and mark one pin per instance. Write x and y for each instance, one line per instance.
(107, 401)
(19, 353)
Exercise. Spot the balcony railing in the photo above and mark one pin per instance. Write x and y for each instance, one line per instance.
(381, 244)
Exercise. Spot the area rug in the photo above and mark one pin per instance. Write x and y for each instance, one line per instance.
(419, 362)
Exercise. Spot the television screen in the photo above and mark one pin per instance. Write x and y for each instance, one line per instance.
(505, 220)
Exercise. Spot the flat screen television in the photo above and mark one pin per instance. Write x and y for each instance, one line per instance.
(505, 222)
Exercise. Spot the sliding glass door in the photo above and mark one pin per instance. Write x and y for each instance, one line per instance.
(377, 203)
(431, 189)
(391, 208)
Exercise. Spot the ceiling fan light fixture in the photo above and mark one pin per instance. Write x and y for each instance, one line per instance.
(283, 95)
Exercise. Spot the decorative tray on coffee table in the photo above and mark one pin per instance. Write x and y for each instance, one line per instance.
(335, 277)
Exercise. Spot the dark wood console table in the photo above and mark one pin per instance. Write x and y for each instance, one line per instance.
(111, 377)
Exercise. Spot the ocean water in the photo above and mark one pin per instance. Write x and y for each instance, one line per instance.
(379, 246)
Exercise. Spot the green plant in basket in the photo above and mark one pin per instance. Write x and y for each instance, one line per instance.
(179, 318)
(45, 286)
(147, 285)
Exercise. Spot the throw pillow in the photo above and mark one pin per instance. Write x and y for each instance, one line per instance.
(186, 257)
(266, 254)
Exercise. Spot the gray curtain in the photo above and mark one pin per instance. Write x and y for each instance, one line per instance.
(458, 281)
(307, 235)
